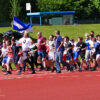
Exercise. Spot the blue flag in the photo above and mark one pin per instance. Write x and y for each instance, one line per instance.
(20, 26)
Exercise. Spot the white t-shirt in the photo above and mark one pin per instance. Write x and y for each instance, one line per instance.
(75, 46)
(91, 45)
(3, 50)
(51, 44)
(75, 43)
(25, 43)
(17, 43)
(51, 54)
(98, 41)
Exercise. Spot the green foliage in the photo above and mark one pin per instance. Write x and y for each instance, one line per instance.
(51, 5)
(4, 10)
(15, 8)
(84, 8)
(96, 3)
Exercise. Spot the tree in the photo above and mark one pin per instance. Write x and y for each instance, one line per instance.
(15, 8)
(84, 8)
(4, 10)
(51, 5)
(96, 3)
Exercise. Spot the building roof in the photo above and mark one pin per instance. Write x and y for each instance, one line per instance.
(37, 14)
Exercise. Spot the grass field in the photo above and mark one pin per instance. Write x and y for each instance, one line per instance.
(73, 31)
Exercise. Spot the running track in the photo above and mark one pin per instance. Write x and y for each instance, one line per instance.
(50, 86)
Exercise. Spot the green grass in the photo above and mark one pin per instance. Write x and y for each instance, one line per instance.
(73, 31)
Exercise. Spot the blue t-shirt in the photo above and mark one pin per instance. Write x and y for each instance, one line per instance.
(87, 44)
(97, 47)
(58, 43)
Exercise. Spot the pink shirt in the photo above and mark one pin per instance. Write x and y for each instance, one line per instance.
(9, 50)
(41, 47)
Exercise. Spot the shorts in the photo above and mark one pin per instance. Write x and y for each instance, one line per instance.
(88, 55)
(10, 60)
(82, 55)
(69, 57)
(76, 55)
(20, 60)
(42, 54)
(75, 58)
(94, 56)
(16, 60)
(64, 57)
(4, 60)
(51, 56)
(97, 56)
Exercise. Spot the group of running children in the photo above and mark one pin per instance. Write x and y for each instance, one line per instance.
(41, 55)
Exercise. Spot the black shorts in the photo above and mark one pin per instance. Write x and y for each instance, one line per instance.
(94, 56)
(16, 59)
(82, 55)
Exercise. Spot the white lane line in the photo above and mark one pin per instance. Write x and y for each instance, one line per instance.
(98, 75)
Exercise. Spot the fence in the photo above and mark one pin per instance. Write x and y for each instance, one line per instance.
(36, 21)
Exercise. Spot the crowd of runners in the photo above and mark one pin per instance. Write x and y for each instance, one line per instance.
(55, 54)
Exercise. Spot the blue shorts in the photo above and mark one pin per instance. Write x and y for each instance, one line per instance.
(68, 58)
(4, 60)
(42, 54)
(76, 54)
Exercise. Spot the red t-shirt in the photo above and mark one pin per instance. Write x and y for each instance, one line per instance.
(10, 53)
(41, 47)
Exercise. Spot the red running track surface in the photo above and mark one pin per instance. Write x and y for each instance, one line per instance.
(51, 86)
